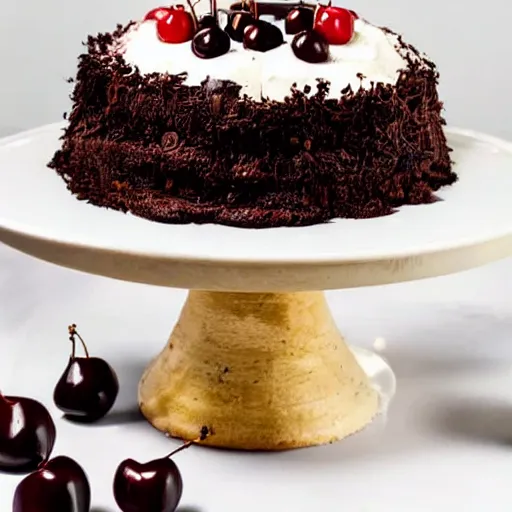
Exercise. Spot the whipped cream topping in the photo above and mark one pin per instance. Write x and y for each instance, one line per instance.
(372, 53)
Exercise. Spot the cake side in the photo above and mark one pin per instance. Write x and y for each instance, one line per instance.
(177, 153)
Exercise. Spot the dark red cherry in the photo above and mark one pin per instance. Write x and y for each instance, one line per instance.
(88, 387)
(262, 36)
(207, 21)
(178, 27)
(155, 486)
(158, 14)
(354, 13)
(335, 24)
(310, 46)
(60, 485)
(299, 19)
(27, 434)
(211, 42)
(237, 22)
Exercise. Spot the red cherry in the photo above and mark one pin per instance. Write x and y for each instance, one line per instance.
(354, 13)
(160, 13)
(178, 27)
(320, 9)
(335, 24)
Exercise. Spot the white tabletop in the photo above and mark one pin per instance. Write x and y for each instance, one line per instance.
(446, 446)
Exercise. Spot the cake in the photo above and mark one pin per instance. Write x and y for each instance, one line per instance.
(265, 115)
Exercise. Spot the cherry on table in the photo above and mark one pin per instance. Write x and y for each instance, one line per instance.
(160, 13)
(299, 19)
(155, 486)
(237, 23)
(88, 387)
(27, 434)
(59, 485)
(262, 36)
(178, 27)
(211, 42)
(335, 24)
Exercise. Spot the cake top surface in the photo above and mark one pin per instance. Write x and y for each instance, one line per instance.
(371, 55)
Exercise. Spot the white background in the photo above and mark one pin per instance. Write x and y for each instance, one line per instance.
(447, 446)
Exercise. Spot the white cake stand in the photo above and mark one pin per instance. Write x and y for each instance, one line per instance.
(255, 355)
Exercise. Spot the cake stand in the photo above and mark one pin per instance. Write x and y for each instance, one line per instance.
(256, 356)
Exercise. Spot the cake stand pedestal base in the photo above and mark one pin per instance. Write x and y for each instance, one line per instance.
(263, 371)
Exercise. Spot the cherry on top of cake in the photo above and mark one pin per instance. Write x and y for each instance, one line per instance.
(315, 28)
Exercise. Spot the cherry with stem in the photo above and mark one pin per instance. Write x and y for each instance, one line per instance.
(156, 485)
(59, 484)
(88, 388)
(211, 41)
(72, 333)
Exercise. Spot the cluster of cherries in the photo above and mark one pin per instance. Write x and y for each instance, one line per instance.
(314, 29)
(86, 392)
(317, 29)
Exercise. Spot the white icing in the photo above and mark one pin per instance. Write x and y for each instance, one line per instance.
(371, 53)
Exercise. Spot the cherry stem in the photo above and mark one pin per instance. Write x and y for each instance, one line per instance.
(184, 446)
(254, 9)
(72, 333)
(205, 432)
(194, 17)
(73, 346)
(5, 399)
(213, 8)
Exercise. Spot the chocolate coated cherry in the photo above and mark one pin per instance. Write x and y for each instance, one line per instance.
(237, 22)
(211, 42)
(310, 46)
(27, 434)
(207, 21)
(299, 19)
(262, 36)
(88, 387)
(60, 485)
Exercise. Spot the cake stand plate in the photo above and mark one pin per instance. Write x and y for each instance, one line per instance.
(470, 227)
(255, 355)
